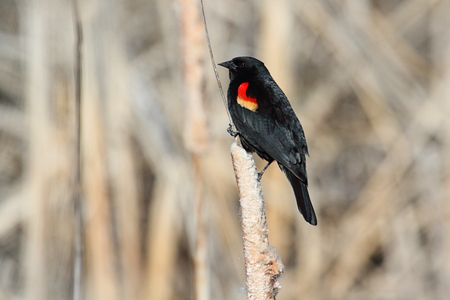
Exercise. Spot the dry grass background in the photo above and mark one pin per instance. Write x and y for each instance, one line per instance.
(369, 80)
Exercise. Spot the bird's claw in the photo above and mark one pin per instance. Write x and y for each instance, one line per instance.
(232, 132)
(259, 176)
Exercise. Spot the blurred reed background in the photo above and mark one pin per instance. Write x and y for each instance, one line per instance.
(369, 80)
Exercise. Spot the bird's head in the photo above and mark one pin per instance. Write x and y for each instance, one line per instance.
(243, 67)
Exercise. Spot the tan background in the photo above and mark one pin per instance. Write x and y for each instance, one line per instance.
(369, 80)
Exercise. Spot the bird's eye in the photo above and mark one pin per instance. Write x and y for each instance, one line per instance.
(242, 64)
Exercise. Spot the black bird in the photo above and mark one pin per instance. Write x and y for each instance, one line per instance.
(267, 125)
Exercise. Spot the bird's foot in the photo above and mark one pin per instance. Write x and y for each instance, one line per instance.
(260, 174)
(232, 132)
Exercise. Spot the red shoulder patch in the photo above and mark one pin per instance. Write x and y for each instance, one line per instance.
(245, 101)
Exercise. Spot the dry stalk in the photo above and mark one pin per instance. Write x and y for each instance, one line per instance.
(263, 266)
(195, 133)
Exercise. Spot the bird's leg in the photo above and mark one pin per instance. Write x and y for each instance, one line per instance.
(232, 132)
(260, 174)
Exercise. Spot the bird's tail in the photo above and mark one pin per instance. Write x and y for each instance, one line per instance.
(302, 196)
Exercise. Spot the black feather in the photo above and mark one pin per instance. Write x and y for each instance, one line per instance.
(302, 196)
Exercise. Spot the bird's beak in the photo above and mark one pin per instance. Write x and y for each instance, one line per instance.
(229, 65)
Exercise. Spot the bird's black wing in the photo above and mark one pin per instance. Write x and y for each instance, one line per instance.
(285, 115)
(275, 128)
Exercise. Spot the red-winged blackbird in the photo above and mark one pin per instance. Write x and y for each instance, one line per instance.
(267, 125)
